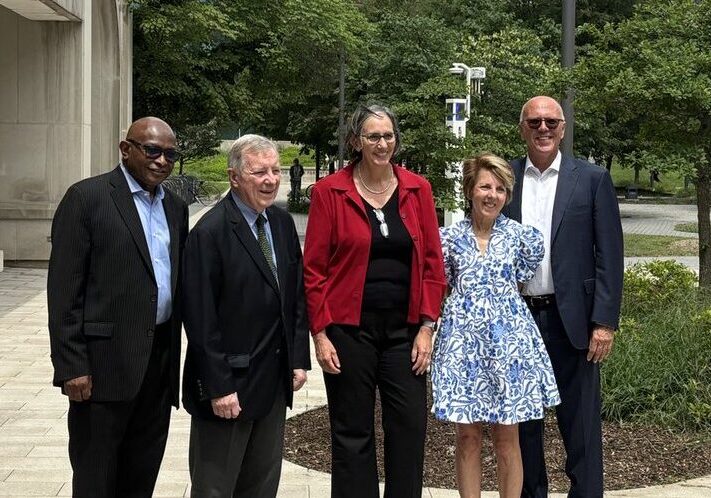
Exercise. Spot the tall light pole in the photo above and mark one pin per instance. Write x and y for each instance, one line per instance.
(458, 113)
(568, 60)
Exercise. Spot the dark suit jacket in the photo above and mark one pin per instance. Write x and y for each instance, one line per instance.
(245, 333)
(101, 290)
(586, 246)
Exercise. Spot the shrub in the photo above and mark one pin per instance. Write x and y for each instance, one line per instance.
(655, 283)
(660, 371)
(300, 206)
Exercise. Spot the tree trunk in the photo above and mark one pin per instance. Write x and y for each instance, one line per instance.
(636, 175)
(703, 193)
(608, 162)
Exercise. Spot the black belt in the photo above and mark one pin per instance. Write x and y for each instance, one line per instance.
(540, 302)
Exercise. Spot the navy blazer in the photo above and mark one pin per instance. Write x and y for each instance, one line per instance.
(587, 257)
(238, 320)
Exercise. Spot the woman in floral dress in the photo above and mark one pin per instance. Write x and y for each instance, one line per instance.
(490, 364)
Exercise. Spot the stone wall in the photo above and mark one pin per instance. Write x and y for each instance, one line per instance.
(64, 103)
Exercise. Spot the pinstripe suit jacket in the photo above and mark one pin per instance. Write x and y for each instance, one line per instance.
(101, 290)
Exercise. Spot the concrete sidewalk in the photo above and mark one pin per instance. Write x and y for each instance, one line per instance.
(33, 425)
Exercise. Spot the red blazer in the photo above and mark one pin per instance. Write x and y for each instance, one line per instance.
(337, 250)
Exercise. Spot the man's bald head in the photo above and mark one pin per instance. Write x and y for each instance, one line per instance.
(541, 99)
(148, 153)
(157, 125)
(542, 126)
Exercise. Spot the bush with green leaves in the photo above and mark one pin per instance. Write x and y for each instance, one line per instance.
(660, 371)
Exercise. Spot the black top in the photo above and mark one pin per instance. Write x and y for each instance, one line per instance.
(387, 281)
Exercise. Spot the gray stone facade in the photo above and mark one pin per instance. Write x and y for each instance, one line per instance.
(65, 101)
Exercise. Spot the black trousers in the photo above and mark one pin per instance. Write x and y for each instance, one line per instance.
(238, 458)
(578, 417)
(376, 354)
(116, 448)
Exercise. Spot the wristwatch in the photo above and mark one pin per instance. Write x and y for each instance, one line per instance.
(429, 324)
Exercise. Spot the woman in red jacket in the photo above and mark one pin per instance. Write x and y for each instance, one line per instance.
(374, 281)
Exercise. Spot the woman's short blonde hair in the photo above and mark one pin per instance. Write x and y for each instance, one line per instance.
(492, 163)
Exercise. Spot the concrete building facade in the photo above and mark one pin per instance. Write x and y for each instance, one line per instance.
(65, 102)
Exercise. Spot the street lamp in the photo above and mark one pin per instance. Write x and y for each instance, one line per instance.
(458, 113)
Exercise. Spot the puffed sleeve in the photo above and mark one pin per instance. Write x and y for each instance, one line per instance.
(530, 253)
(444, 237)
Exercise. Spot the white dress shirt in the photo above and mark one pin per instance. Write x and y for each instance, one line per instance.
(537, 198)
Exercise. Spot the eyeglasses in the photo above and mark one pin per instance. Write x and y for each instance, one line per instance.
(154, 152)
(374, 138)
(551, 123)
(383, 225)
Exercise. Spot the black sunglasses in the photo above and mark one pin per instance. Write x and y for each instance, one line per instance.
(551, 123)
(154, 152)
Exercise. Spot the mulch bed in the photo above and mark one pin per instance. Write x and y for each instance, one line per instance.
(635, 456)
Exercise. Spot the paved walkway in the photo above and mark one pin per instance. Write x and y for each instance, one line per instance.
(33, 426)
(656, 219)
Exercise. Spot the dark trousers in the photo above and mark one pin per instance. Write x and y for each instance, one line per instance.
(115, 448)
(238, 458)
(578, 417)
(376, 354)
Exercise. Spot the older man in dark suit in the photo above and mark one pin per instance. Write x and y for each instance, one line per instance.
(248, 341)
(114, 315)
(576, 293)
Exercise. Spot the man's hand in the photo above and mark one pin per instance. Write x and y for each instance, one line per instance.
(326, 353)
(78, 389)
(421, 350)
(600, 343)
(299, 378)
(226, 406)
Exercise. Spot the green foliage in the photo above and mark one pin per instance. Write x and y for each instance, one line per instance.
(287, 156)
(197, 142)
(692, 227)
(659, 371)
(213, 168)
(300, 206)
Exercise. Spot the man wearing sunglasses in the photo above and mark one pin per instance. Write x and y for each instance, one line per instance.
(114, 314)
(576, 293)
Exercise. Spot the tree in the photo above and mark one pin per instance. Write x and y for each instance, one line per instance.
(197, 142)
(654, 71)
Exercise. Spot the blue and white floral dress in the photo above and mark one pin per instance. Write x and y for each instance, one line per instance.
(489, 362)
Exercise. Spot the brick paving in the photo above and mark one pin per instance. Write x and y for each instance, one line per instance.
(33, 426)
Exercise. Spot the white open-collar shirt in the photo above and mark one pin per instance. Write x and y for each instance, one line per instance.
(537, 198)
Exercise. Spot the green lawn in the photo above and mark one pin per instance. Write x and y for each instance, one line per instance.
(659, 245)
(671, 183)
(215, 168)
(692, 227)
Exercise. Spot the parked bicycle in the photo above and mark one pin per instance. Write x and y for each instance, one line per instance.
(191, 189)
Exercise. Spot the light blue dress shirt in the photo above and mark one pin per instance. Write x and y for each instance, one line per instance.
(157, 233)
(250, 216)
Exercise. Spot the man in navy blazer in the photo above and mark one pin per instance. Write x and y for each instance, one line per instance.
(576, 293)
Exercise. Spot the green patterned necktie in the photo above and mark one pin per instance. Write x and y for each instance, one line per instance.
(264, 245)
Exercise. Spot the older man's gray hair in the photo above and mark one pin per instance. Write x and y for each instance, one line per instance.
(247, 144)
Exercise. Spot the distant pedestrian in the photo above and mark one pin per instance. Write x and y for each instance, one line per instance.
(296, 171)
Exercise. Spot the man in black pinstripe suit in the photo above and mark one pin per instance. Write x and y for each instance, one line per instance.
(114, 314)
